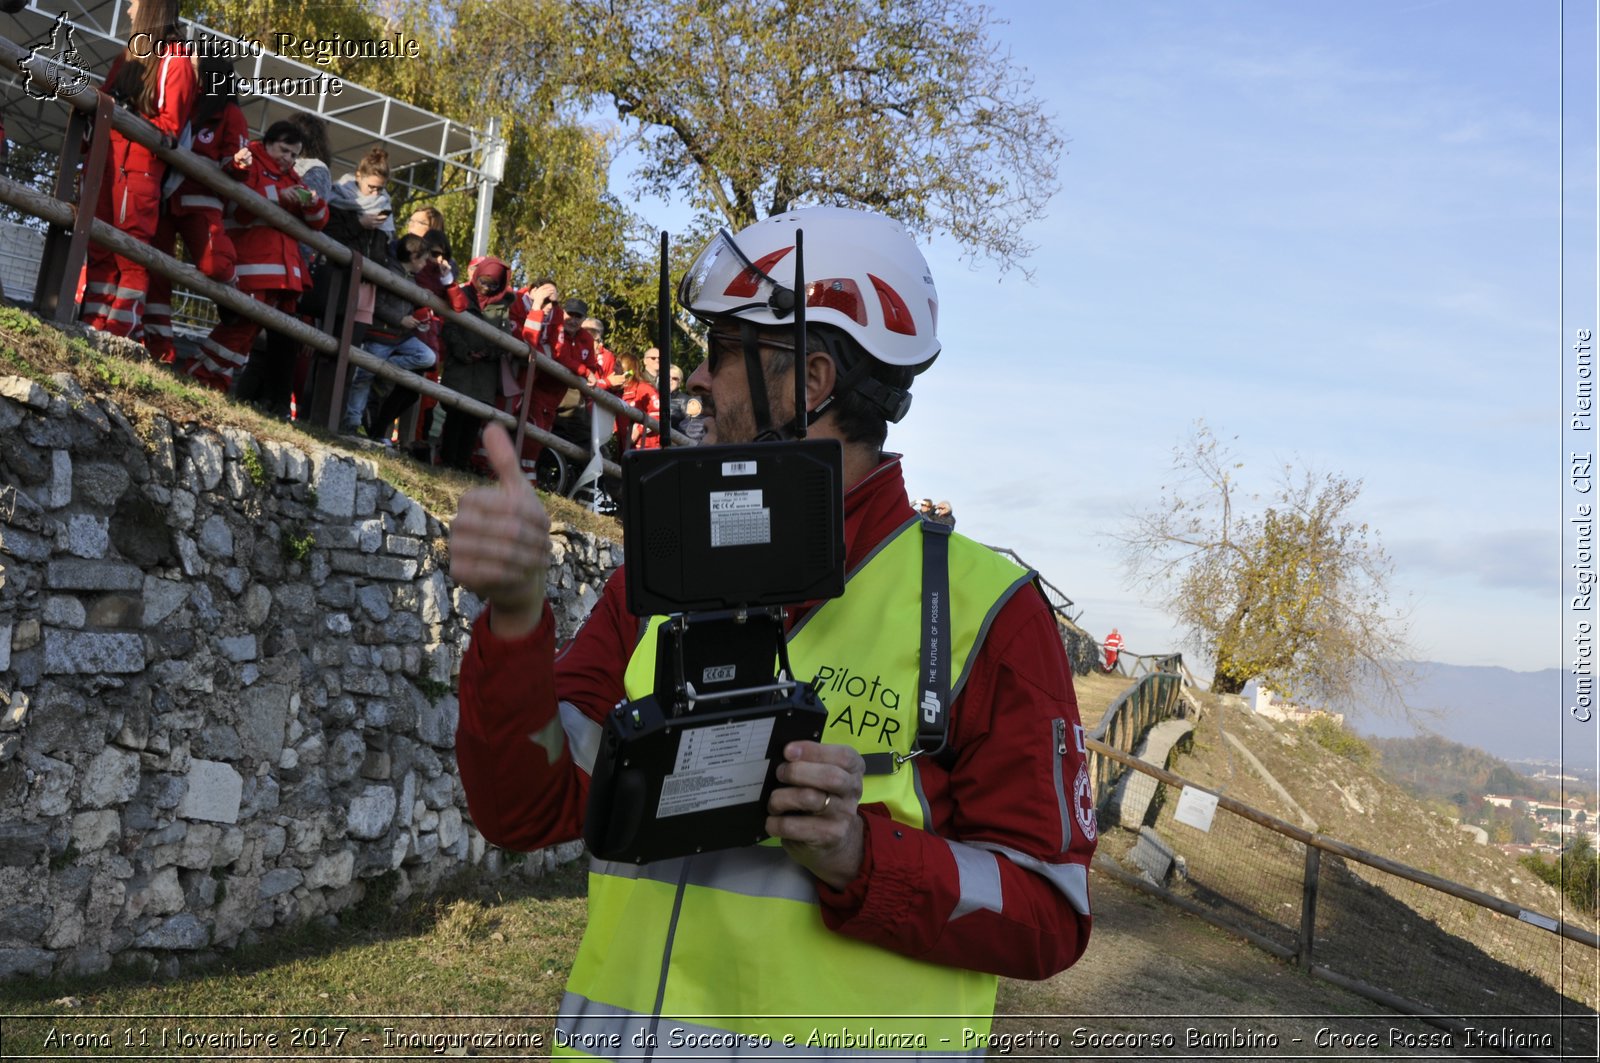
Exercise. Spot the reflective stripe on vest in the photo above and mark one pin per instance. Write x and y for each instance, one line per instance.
(732, 942)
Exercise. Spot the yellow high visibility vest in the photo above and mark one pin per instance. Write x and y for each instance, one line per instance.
(729, 948)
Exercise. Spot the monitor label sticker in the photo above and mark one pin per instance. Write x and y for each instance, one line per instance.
(725, 743)
(738, 518)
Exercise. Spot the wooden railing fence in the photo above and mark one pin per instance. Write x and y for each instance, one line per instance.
(69, 212)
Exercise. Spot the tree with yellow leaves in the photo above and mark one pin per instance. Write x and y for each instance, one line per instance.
(1291, 590)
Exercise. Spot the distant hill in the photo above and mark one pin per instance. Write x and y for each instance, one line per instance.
(1434, 768)
(1517, 716)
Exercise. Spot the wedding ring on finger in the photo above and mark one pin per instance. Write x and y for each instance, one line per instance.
(826, 798)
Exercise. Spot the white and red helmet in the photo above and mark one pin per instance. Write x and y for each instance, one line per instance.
(864, 275)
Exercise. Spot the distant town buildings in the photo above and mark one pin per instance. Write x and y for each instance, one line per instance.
(1567, 821)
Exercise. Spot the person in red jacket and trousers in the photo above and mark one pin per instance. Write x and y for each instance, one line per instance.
(219, 131)
(154, 78)
(1113, 647)
(604, 358)
(557, 332)
(269, 263)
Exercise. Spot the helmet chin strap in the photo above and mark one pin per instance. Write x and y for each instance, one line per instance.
(756, 381)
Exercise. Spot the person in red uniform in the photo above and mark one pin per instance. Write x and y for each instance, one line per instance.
(219, 130)
(556, 331)
(1113, 647)
(153, 77)
(536, 318)
(638, 392)
(998, 880)
(269, 263)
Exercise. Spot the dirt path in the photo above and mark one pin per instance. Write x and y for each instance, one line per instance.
(1153, 972)
(1095, 693)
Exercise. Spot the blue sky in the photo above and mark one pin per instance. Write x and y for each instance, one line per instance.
(1328, 229)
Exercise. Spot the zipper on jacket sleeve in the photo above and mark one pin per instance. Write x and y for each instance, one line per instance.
(1059, 768)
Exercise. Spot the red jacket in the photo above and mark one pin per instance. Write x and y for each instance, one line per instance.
(268, 259)
(174, 103)
(642, 395)
(1008, 789)
(218, 140)
(570, 352)
(541, 328)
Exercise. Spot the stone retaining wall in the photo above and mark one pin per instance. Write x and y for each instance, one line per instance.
(226, 674)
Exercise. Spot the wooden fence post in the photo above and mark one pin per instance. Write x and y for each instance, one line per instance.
(351, 293)
(66, 248)
(1308, 906)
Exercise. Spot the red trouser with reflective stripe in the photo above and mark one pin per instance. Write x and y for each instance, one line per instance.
(115, 288)
(226, 350)
(211, 250)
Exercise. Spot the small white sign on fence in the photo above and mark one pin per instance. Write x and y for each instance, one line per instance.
(1539, 920)
(1196, 807)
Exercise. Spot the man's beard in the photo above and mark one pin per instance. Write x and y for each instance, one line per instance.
(737, 424)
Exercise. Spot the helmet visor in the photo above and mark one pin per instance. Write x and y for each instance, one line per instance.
(722, 281)
(692, 288)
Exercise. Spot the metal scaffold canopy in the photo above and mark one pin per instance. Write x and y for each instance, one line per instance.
(428, 153)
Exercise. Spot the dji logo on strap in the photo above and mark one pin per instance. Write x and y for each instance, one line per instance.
(930, 707)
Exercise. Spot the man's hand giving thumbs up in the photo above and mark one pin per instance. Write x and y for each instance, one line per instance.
(500, 542)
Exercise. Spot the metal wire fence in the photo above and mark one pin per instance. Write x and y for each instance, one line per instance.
(1244, 873)
(1521, 981)
(1446, 953)
(192, 311)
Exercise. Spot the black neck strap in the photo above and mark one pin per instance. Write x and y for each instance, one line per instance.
(933, 701)
(933, 677)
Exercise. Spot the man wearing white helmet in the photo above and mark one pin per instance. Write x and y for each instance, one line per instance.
(904, 883)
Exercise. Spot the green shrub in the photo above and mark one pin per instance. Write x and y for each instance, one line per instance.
(254, 468)
(1546, 871)
(1332, 736)
(14, 320)
(1576, 874)
(297, 544)
(431, 689)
